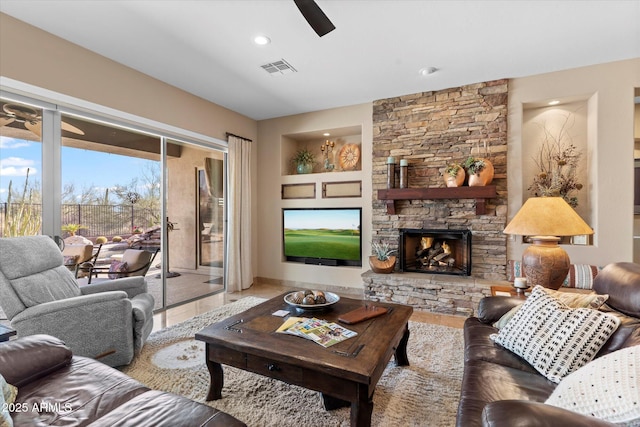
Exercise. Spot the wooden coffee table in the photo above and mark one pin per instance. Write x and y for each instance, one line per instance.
(345, 373)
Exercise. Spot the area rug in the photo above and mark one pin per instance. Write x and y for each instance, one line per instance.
(423, 394)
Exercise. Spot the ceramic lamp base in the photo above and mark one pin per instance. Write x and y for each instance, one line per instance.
(545, 263)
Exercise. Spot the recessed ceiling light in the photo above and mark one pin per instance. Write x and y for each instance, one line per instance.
(261, 40)
(326, 134)
(554, 102)
(428, 70)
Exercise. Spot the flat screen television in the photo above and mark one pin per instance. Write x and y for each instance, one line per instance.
(322, 236)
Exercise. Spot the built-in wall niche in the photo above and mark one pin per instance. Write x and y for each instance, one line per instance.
(339, 151)
(547, 131)
(299, 191)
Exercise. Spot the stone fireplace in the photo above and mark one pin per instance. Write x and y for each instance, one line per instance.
(431, 130)
(435, 251)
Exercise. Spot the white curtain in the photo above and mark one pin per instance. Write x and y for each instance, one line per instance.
(239, 261)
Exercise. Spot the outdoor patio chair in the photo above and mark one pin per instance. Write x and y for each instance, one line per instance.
(108, 321)
(76, 255)
(134, 262)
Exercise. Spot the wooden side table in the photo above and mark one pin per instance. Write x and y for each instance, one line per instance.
(509, 291)
(5, 333)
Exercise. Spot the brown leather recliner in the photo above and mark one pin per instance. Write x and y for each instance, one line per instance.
(56, 388)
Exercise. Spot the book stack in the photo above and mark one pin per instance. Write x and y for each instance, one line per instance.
(317, 330)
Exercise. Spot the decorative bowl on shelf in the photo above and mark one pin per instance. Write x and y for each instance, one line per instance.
(330, 299)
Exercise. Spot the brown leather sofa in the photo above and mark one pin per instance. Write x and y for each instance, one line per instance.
(501, 389)
(56, 388)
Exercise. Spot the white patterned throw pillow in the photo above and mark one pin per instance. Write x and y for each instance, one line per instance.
(572, 300)
(607, 388)
(555, 339)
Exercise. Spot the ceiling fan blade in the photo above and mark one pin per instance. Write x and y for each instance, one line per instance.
(71, 128)
(35, 127)
(5, 120)
(315, 16)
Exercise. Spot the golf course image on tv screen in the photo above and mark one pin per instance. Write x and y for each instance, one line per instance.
(328, 236)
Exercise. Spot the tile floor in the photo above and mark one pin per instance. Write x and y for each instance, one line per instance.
(183, 312)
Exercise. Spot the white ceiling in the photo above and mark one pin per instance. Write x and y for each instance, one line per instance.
(378, 47)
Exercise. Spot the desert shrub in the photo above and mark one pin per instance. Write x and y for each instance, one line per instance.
(101, 239)
(116, 239)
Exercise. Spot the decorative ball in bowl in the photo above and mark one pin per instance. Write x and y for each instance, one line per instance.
(309, 300)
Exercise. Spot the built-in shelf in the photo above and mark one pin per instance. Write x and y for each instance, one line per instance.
(346, 144)
(479, 193)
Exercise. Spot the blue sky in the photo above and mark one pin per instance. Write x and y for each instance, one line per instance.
(84, 168)
(322, 218)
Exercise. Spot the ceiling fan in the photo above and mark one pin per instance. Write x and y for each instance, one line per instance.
(30, 118)
(315, 16)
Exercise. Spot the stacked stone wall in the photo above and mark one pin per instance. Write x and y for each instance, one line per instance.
(431, 130)
(428, 292)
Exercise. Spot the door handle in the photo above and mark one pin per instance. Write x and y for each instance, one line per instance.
(59, 241)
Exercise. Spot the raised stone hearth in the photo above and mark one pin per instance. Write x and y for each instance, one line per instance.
(455, 295)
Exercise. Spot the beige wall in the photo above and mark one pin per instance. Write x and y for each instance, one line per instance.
(271, 161)
(608, 91)
(32, 56)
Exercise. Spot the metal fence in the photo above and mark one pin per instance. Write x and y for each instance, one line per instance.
(96, 220)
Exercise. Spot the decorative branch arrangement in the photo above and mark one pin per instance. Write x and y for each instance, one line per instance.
(557, 162)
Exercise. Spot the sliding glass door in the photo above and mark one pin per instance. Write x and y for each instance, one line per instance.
(20, 169)
(195, 205)
(111, 197)
(92, 181)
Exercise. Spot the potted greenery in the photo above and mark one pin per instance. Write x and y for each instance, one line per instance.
(453, 175)
(474, 165)
(480, 171)
(72, 229)
(382, 261)
(303, 160)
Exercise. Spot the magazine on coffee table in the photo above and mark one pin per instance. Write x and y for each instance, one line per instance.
(320, 331)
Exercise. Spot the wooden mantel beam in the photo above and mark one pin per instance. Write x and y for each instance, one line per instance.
(479, 193)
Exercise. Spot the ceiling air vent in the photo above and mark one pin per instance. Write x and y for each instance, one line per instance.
(278, 67)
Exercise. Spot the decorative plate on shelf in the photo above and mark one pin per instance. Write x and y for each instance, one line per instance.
(330, 298)
(349, 156)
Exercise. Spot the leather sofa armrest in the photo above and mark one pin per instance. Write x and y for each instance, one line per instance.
(491, 309)
(26, 359)
(621, 281)
(514, 413)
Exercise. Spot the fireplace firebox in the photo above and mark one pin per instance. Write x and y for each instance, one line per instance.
(435, 251)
